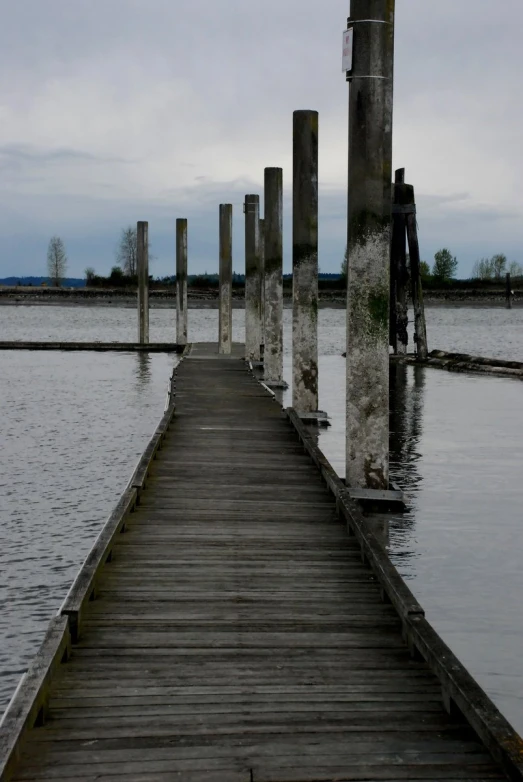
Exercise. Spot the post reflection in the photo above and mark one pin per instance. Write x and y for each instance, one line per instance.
(142, 370)
(406, 391)
(406, 394)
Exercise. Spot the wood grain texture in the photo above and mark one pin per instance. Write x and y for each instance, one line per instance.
(236, 634)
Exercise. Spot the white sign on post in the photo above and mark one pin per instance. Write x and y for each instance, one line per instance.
(348, 37)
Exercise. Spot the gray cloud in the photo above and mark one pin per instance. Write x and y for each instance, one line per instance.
(117, 110)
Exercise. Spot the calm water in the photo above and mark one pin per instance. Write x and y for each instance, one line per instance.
(72, 429)
(74, 425)
(494, 332)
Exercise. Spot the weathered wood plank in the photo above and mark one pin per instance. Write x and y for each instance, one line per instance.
(455, 737)
(278, 770)
(185, 731)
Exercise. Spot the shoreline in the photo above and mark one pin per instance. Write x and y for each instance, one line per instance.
(158, 300)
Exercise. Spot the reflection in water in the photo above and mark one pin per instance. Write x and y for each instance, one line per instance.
(142, 370)
(398, 418)
(406, 413)
(406, 392)
(405, 427)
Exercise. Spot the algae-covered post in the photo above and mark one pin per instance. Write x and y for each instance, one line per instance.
(398, 269)
(508, 291)
(142, 267)
(305, 262)
(262, 268)
(420, 327)
(253, 278)
(369, 234)
(181, 281)
(225, 305)
(273, 353)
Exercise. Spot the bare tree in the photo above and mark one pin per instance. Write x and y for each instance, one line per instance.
(126, 252)
(483, 269)
(499, 264)
(90, 274)
(56, 260)
(493, 268)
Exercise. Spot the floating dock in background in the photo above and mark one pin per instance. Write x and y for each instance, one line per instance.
(121, 347)
(236, 621)
(463, 362)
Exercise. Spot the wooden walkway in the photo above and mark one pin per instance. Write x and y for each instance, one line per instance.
(237, 635)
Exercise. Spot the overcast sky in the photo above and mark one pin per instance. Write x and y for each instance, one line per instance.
(113, 111)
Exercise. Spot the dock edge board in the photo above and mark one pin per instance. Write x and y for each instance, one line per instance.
(28, 705)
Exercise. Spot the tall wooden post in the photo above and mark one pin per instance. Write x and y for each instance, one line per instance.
(142, 267)
(253, 278)
(181, 281)
(262, 268)
(369, 236)
(273, 355)
(398, 268)
(508, 291)
(305, 262)
(420, 327)
(225, 305)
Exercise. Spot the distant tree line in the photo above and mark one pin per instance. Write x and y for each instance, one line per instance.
(124, 272)
(445, 267)
(496, 268)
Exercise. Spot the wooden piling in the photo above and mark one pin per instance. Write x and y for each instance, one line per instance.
(181, 281)
(369, 237)
(225, 304)
(142, 264)
(305, 262)
(398, 268)
(420, 326)
(262, 268)
(253, 278)
(273, 355)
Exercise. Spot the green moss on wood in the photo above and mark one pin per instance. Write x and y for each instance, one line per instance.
(379, 309)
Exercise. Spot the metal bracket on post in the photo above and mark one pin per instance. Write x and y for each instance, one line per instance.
(403, 209)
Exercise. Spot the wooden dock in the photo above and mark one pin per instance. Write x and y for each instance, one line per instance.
(241, 624)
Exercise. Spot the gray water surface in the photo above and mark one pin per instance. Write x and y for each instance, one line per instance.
(74, 425)
(495, 332)
(72, 429)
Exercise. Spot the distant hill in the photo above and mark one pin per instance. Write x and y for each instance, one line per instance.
(69, 282)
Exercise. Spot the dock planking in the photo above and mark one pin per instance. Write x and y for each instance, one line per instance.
(238, 635)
